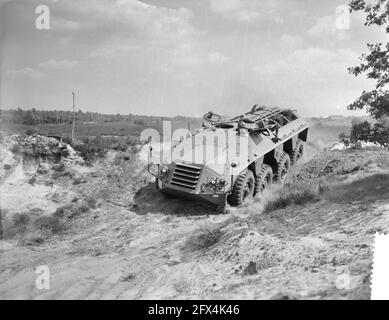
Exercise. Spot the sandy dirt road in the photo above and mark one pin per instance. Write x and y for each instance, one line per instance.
(137, 244)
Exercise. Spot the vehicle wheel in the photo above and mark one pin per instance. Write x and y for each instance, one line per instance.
(243, 188)
(264, 179)
(298, 151)
(282, 168)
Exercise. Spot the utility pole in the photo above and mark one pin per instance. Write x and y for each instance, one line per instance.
(74, 117)
(1, 225)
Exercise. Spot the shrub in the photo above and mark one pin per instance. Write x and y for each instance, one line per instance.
(20, 221)
(48, 223)
(91, 148)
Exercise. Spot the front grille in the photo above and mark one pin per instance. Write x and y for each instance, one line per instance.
(186, 176)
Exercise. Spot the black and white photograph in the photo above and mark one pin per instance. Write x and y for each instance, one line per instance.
(201, 150)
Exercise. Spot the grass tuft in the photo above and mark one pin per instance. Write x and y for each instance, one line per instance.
(289, 196)
(204, 238)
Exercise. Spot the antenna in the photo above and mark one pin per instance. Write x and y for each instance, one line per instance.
(74, 117)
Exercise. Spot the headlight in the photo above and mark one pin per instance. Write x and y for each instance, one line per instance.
(214, 184)
(163, 173)
(221, 184)
(153, 169)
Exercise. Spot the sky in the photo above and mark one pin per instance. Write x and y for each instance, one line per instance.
(182, 57)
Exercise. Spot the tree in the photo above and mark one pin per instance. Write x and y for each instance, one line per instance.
(380, 132)
(361, 132)
(375, 63)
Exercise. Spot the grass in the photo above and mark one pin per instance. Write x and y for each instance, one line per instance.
(27, 225)
(366, 188)
(204, 238)
(81, 129)
(383, 161)
(76, 207)
(32, 228)
(291, 195)
(369, 188)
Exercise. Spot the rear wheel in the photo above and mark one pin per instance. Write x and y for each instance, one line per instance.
(264, 179)
(243, 188)
(298, 151)
(283, 166)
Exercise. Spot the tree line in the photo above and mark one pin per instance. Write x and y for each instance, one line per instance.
(34, 117)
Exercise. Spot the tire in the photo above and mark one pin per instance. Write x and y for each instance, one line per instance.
(264, 179)
(243, 188)
(297, 152)
(283, 166)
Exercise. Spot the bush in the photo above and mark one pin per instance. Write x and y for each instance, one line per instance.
(51, 224)
(91, 148)
(364, 131)
(20, 221)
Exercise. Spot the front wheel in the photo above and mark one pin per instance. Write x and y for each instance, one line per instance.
(298, 151)
(283, 166)
(243, 188)
(264, 179)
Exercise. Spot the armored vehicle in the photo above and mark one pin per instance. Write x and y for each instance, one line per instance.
(232, 160)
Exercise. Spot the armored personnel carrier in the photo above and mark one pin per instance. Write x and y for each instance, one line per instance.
(232, 160)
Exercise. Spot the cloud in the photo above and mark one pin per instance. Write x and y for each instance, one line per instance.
(246, 10)
(130, 27)
(292, 40)
(313, 78)
(217, 58)
(53, 64)
(324, 27)
(65, 25)
(40, 71)
(27, 73)
(312, 61)
(129, 19)
(335, 26)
